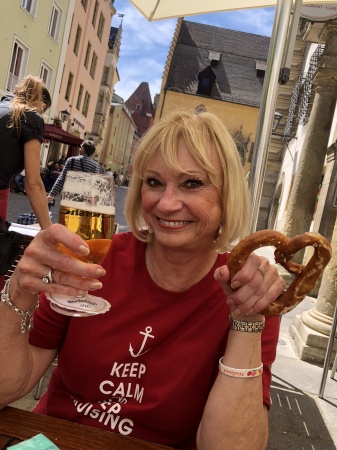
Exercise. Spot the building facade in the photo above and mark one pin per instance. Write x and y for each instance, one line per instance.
(83, 68)
(220, 70)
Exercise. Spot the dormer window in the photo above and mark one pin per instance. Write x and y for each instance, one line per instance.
(206, 81)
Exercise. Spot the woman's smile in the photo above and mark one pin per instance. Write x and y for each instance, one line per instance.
(172, 223)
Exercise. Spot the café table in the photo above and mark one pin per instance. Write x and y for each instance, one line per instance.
(17, 425)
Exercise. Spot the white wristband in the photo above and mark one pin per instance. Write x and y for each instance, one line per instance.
(240, 373)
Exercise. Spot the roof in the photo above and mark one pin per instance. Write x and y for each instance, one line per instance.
(235, 55)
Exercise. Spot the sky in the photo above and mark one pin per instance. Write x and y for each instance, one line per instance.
(145, 45)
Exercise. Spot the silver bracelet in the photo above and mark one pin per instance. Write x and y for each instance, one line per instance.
(26, 316)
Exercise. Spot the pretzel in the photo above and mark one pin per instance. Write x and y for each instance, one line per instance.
(306, 276)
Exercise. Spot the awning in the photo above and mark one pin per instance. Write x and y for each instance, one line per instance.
(54, 133)
(164, 9)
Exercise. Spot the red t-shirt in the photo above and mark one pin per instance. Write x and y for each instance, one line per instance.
(145, 368)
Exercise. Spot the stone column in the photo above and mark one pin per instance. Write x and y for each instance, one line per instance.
(311, 330)
(309, 171)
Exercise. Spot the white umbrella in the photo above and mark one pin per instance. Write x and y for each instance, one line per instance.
(164, 9)
(282, 39)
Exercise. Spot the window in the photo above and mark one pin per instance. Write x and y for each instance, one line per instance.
(100, 26)
(79, 97)
(86, 104)
(94, 16)
(46, 73)
(17, 68)
(77, 40)
(55, 22)
(93, 65)
(105, 76)
(29, 6)
(84, 4)
(138, 107)
(87, 55)
(206, 81)
(69, 85)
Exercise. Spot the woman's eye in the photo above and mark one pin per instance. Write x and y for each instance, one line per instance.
(193, 183)
(152, 182)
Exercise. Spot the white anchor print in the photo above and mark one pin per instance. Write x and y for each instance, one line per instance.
(146, 334)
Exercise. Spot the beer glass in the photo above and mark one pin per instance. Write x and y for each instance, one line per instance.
(88, 209)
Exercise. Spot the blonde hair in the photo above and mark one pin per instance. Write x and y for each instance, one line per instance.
(203, 133)
(29, 95)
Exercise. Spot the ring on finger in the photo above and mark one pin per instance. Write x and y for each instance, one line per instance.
(262, 272)
(48, 279)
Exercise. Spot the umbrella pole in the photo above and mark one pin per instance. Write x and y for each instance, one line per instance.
(267, 106)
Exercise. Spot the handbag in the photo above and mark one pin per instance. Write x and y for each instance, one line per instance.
(12, 246)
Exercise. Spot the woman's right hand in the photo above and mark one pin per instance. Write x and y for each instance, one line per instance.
(70, 276)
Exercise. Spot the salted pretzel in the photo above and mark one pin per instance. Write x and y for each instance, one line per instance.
(306, 276)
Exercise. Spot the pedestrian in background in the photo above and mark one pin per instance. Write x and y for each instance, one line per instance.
(82, 163)
(21, 133)
(120, 179)
(52, 175)
(19, 181)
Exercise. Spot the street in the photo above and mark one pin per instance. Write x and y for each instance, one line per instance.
(19, 204)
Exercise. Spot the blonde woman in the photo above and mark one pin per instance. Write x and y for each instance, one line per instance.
(149, 368)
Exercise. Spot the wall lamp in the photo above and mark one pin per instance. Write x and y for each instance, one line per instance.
(276, 122)
(64, 115)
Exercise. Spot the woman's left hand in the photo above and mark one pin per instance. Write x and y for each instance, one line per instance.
(252, 288)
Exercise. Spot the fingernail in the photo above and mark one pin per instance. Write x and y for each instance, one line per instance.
(100, 272)
(230, 302)
(235, 285)
(96, 285)
(82, 292)
(84, 250)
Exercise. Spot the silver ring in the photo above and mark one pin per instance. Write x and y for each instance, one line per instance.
(47, 279)
(262, 272)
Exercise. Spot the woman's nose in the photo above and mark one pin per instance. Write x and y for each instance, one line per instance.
(170, 200)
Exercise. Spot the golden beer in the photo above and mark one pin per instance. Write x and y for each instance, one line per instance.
(98, 251)
(89, 224)
(88, 205)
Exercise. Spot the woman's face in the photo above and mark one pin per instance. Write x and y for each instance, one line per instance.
(182, 210)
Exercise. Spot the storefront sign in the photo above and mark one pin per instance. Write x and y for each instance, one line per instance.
(318, 12)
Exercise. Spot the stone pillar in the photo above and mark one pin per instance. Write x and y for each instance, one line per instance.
(309, 171)
(311, 330)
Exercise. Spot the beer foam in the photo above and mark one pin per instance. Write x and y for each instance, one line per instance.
(84, 206)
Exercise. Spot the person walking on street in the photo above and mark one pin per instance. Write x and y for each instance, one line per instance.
(21, 133)
(82, 163)
(19, 181)
(120, 179)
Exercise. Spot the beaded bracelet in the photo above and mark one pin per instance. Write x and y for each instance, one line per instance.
(26, 316)
(248, 325)
(240, 373)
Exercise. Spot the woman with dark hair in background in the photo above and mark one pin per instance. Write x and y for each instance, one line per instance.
(21, 132)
